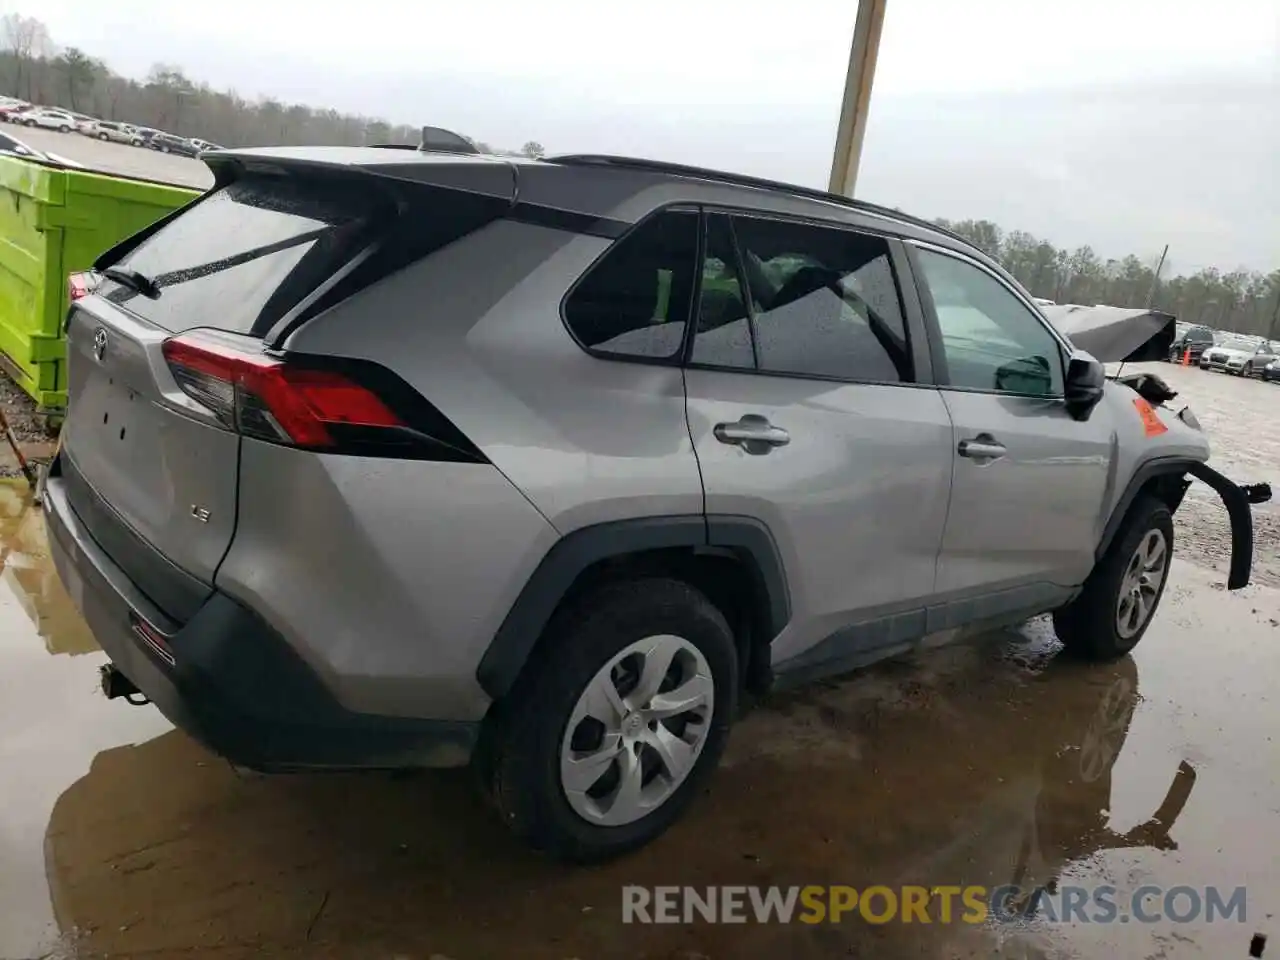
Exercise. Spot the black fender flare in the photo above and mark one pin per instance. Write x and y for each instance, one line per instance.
(1233, 497)
(747, 538)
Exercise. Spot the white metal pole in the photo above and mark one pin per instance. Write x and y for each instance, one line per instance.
(857, 96)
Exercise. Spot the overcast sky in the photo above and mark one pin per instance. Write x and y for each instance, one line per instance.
(1127, 124)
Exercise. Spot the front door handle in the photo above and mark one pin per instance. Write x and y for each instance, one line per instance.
(753, 433)
(982, 447)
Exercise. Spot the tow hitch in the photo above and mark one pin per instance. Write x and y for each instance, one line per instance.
(115, 684)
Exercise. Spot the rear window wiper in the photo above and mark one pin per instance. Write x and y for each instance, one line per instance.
(135, 280)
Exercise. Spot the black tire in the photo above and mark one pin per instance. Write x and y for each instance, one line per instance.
(1087, 626)
(519, 757)
(64, 129)
(103, 136)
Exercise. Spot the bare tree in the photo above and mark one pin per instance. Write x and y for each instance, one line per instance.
(533, 149)
(27, 39)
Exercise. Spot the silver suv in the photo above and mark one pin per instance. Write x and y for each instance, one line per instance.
(384, 458)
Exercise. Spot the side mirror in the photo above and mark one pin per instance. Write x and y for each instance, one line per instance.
(1029, 375)
(1086, 379)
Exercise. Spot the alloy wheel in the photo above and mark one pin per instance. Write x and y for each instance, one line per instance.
(1140, 587)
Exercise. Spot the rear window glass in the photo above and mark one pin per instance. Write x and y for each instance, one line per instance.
(244, 256)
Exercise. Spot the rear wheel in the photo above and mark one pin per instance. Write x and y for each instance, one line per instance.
(64, 129)
(1122, 593)
(102, 136)
(608, 736)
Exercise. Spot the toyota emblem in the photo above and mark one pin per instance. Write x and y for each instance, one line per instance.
(99, 344)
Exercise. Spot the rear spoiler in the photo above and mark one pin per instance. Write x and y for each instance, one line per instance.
(485, 178)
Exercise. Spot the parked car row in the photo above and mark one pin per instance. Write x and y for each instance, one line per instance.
(68, 121)
(1236, 353)
(1241, 355)
(1192, 340)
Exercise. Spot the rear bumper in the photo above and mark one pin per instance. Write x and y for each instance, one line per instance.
(234, 684)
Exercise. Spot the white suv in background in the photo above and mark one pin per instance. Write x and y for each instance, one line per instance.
(49, 119)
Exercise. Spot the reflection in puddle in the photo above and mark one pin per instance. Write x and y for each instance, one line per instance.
(992, 762)
(52, 719)
(24, 560)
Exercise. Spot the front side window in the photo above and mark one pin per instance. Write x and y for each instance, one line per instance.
(992, 341)
(824, 302)
(634, 302)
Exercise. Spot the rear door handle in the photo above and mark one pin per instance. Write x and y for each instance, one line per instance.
(982, 447)
(754, 433)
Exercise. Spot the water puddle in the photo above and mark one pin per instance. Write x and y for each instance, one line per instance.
(53, 722)
(991, 762)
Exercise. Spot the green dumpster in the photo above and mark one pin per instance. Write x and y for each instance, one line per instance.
(54, 221)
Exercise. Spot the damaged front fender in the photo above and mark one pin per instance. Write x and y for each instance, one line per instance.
(1237, 499)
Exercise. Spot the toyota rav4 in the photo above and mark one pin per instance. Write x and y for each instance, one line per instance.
(394, 458)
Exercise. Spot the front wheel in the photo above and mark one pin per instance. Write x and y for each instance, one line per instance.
(1121, 595)
(612, 729)
(64, 129)
(103, 136)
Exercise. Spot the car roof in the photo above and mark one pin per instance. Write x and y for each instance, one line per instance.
(591, 194)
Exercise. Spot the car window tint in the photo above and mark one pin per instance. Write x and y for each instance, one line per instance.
(242, 256)
(825, 302)
(992, 341)
(635, 301)
(723, 335)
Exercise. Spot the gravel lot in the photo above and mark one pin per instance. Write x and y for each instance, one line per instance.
(1242, 419)
(116, 158)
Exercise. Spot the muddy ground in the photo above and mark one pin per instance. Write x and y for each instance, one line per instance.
(29, 430)
(989, 762)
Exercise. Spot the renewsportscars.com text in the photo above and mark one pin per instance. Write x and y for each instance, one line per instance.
(938, 904)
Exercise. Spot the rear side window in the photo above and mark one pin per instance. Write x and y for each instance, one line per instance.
(244, 256)
(634, 302)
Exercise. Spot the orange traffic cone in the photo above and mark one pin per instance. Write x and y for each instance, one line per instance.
(1186, 357)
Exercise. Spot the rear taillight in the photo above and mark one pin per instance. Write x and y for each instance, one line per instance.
(80, 285)
(267, 398)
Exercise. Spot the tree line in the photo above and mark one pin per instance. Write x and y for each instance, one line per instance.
(34, 69)
(1242, 301)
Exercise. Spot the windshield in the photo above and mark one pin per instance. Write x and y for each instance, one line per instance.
(1238, 343)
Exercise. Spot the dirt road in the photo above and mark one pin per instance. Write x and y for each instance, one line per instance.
(985, 763)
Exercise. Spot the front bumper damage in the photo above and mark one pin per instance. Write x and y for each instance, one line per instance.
(1238, 500)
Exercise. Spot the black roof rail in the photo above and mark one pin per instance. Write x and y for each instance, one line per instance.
(743, 180)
